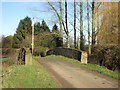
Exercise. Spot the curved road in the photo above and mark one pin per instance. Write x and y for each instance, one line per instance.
(68, 75)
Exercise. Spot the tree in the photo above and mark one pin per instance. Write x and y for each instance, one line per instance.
(44, 27)
(81, 27)
(7, 42)
(61, 11)
(55, 29)
(24, 29)
(88, 17)
(37, 28)
(59, 18)
(108, 31)
(66, 23)
(74, 23)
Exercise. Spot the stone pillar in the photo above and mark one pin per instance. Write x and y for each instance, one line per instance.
(28, 57)
(84, 57)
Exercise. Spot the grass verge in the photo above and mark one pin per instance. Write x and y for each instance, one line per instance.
(94, 67)
(5, 58)
(29, 76)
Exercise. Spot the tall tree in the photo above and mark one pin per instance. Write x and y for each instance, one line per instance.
(61, 14)
(88, 18)
(66, 23)
(24, 29)
(55, 29)
(81, 27)
(37, 28)
(108, 31)
(74, 23)
(93, 24)
(44, 27)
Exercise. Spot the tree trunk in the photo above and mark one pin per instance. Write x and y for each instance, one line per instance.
(68, 41)
(74, 23)
(61, 31)
(89, 46)
(81, 26)
(93, 24)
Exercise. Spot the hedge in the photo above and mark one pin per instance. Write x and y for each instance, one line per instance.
(107, 56)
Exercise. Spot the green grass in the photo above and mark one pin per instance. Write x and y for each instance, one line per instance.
(29, 76)
(94, 67)
(5, 58)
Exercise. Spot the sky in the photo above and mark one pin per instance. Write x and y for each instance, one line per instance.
(13, 12)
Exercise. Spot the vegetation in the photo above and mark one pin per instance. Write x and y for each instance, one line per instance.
(5, 58)
(99, 34)
(107, 56)
(23, 31)
(7, 42)
(94, 67)
(40, 51)
(30, 76)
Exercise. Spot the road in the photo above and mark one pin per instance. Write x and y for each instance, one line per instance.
(68, 75)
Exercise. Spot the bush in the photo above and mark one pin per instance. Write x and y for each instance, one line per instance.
(67, 52)
(107, 56)
(9, 52)
(40, 51)
(48, 40)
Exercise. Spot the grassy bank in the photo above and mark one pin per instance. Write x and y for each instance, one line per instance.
(94, 67)
(30, 76)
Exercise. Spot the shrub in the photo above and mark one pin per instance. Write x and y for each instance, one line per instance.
(9, 52)
(107, 56)
(40, 51)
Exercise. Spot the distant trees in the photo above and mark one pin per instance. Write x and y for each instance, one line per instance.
(37, 28)
(7, 42)
(43, 36)
(55, 29)
(44, 27)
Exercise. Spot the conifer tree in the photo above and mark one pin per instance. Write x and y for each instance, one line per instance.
(55, 28)
(44, 27)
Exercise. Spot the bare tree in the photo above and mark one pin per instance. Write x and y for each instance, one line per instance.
(81, 26)
(68, 38)
(65, 26)
(61, 30)
(88, 17)
(93, 27)
(74, 23)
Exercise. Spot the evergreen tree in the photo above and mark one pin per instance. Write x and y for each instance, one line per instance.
(44, 27)
(24, 29)
(55, 28)
(37, 28)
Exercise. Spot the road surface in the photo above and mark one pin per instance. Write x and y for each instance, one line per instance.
(68, 75)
